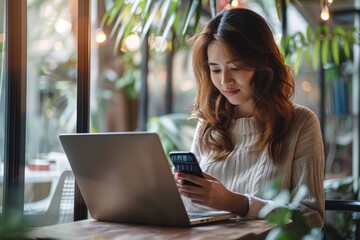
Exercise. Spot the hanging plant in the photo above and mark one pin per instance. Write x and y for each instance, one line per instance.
(163, 17)
(319, 44)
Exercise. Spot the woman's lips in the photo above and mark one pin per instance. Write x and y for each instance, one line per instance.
(231, 91)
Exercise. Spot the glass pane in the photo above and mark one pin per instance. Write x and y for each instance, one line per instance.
(51, 110)
(113, 108)
(116, 81)
(2, 91)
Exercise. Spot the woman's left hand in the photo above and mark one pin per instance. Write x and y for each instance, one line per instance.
(212, 193)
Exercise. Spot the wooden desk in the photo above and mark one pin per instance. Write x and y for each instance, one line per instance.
(91, 229)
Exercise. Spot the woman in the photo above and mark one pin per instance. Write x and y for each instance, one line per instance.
(250, 132)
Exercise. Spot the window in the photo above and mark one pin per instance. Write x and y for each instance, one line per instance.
(50, 104)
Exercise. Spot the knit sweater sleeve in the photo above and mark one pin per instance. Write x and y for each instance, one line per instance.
(308, 170)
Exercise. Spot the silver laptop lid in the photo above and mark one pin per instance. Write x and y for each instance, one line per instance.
(125, 177)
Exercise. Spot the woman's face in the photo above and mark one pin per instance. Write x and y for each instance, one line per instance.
(230, 77)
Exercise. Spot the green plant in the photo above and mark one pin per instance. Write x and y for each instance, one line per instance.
(176, 130)
(12, 228)
(329, 45)
(157, 17)
(283, 212)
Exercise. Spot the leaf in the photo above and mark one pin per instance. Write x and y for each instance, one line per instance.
(272, 189)
(178, 18)
(110, 15)
(324, 51)
(279, 9)
(167, 29)
(302, 39)
(300, 194)
(146, 8)
(191, 12)
(280, 201)
(285, 45)
(335, 50)
(164, 10)
(120, 18)
(125, 24)
(283, 197)
(309, 33)
(339, 31)
(346, 48)
(297, 62)
(316, 52)
(274, 234)
(280, 216)
(150, 20)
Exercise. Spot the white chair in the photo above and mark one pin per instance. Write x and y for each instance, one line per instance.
(58, 208)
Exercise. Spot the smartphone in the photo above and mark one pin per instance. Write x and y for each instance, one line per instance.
(186, 162)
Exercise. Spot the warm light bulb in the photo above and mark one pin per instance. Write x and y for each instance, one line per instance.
(234, 3)
(100, 36)
(330, 1)
(325, 14)
(132, 42)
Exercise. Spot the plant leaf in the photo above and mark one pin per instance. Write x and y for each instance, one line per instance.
(280, 216)
(309, 34)
(346, 48)
(300, 194)
(150, 20)
(324, 51)
(146, 8)
(126, 23)
(279, 9)
(164, 10)
(299, 53)
(316, 52)
(110, 15)
(190, 15)
(335, 50)
(167, 29)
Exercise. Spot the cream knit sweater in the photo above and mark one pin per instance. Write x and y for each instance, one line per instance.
(248, 172)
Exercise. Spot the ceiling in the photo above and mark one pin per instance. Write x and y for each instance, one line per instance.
(341, 11)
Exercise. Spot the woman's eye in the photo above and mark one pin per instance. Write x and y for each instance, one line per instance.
(235, 69)
(215, 70)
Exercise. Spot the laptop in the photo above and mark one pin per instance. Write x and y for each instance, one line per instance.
(126, 177)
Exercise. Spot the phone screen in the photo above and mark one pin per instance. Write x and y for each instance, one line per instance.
(186, 162)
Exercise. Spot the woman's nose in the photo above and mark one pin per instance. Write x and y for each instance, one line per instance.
(226, 78)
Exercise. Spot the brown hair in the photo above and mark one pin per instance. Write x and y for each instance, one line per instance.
(248, 37)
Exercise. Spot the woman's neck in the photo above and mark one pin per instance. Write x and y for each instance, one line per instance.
(242, 112)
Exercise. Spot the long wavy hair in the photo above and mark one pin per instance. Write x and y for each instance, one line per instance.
(247, 37)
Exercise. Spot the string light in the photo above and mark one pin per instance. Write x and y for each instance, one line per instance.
(234, 3)
(229, 4)
(132, 42)
(100, 36)
(325, 14)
